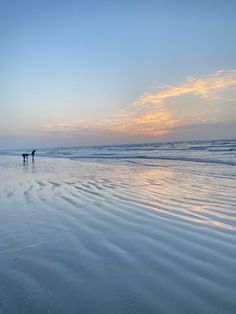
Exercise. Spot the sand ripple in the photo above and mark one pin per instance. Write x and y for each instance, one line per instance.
(97, 238)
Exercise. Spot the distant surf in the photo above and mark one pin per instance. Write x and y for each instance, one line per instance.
(220, 152)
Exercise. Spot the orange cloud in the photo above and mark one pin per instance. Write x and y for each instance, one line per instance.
(145, 118)
(163, 117)
(207, 86)
(151, 124)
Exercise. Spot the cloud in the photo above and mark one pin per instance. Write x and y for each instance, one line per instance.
(152, 125)
(151, 114)
(206, 86)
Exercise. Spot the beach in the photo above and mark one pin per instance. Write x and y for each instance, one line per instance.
(124, 235)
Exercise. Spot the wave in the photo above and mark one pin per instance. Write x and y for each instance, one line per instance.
(216, 152)
(159, 158)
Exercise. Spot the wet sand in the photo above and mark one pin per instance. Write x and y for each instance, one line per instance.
(121, 237)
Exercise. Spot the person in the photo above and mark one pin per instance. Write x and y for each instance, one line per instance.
(33, 153)
(25, 157)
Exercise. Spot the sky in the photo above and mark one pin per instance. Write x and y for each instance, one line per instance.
(105, 72)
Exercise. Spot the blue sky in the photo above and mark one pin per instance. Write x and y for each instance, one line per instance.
(87, 72)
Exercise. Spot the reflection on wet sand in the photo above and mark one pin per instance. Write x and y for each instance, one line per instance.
(81, 237)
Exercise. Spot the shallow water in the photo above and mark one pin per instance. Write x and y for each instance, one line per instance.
(222, 152)
(117, 237)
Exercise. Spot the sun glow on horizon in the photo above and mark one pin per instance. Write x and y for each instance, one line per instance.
(153, 115)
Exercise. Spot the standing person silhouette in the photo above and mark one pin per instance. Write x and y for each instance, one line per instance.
(33, 153)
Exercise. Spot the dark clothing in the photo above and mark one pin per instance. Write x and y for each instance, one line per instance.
(25, 156)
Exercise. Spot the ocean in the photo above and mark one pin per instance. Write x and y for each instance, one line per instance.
(217, 151)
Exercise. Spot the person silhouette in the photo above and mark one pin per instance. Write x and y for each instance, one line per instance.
(33, 153)
(25, 157)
